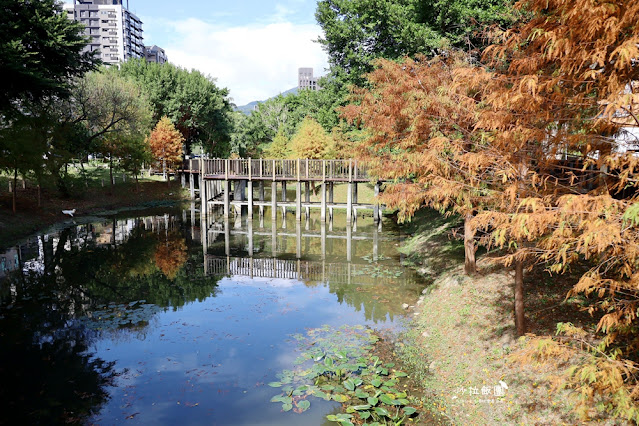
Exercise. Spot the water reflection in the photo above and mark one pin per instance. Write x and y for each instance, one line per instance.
(173, 307)
(345, 258)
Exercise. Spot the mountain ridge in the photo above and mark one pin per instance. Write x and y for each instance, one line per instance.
(248, 108)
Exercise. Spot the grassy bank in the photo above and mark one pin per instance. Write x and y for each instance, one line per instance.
(462, 339)
(85, 198)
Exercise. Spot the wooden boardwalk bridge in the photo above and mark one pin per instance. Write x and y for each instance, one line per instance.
(214, 178)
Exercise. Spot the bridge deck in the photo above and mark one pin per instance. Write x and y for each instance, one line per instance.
(278, 169)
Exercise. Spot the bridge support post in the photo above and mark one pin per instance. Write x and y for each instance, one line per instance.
(323, 240)
(203, 198)
(191, 185)
(376, 204)
(323, 201)
(307, 195)
(227, 198)
(349, 244)
(298, 240)
(375, 244)
(273, 238)
(239, 190)
(273, 201)
(349, 203)
(261, 198)
(249, 191)
(354, 201)
(331, 187)
(250, 239)
(183, 179)
(298, 201)
(227, 236)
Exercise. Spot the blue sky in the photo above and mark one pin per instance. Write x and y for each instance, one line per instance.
(252, 47)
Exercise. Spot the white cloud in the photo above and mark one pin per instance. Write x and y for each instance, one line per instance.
(254, 61)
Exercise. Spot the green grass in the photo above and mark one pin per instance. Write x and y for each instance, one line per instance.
(86, 195)
(365, 193)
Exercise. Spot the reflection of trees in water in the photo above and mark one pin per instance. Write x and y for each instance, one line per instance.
(380, 302)
(156, 267)
(171, 254)
(49, 315)
(47, 374)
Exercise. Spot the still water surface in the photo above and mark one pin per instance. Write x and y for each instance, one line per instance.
(156, 318)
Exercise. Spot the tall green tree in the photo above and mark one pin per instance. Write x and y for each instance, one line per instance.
(108, 108)
(359, 31)
(40, 52)
(199, 109)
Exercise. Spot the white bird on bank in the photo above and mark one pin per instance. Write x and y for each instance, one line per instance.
(69, 212)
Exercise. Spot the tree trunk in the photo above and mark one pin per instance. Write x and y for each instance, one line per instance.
(470, 264)
(15, 189)
(519, 298)
(137, 183)
(84, 174)
(164, 169)
(111, 170)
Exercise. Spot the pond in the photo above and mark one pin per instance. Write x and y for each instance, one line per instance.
(154, 317)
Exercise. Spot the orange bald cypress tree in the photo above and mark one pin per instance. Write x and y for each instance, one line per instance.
(166, 144)
(563, 94)
(422, 138)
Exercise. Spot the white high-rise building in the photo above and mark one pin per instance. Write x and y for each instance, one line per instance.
(114, 31)
(305, 79)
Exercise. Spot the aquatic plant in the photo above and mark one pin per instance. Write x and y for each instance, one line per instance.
(338, 365)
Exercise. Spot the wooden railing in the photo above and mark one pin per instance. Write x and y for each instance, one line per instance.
(279, 169)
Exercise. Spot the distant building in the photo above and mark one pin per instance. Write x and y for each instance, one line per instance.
(155, 54)
(114, 30)
(305, 79)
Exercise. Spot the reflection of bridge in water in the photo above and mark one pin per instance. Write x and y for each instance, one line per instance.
(306, 270)
(212, 230)
(317, 258)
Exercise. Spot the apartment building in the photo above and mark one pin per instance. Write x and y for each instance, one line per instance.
(113, 29)
(305, 79)
(155, 54)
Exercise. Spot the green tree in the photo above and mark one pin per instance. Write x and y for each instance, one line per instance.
(200, 110)
(134, 152)
(41, 51)
(108, 108)
(21, 148)
(358, 31)
(311, 141)
(279, 148)
(286, 113)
